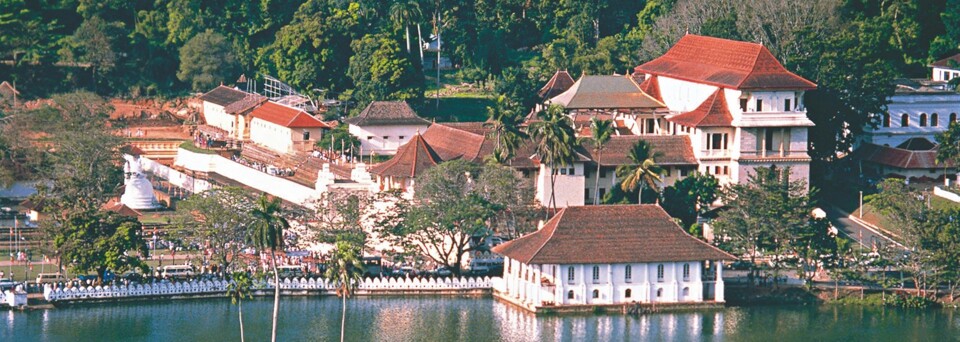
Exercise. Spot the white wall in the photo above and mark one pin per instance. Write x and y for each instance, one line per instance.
(372, 137)
(174, 177)
(279, 138)
(214, 115)
(276, 186)
(913, 106)
(944, 74)
(569, 188)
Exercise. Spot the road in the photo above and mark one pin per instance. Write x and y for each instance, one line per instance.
(866, 236)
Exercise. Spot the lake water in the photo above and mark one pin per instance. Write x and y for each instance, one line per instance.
(464, 319)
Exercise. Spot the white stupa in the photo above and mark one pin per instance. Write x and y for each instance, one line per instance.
(138, 193)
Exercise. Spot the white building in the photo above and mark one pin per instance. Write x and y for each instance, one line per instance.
(285, 129)
(384, 126)
(946, 69)
(227, 109)
(610, 255)
(741, 108)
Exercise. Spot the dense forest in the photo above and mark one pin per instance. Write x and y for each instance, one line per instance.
(369, 49)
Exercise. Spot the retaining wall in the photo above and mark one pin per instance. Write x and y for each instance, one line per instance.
(276, 186)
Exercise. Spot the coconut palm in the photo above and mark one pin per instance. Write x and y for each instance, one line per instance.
(345, 268)
(601, 131)
(402, 13)
(555, 143)
(267, 233)
(643, 172)
(237, 290)
(504, 124)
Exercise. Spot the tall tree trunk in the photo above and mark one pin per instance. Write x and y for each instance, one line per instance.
(420, 41)
(553, 189)
(343, 317)
(240, 309)
(276, 294)
(596, 183)
(406, 34)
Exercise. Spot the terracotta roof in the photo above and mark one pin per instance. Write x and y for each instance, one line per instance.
(467, 140)
(676, 150)
(713, 112)
(132, 150)
(595, 92)
(898, 157)
(559, 83)
(384, 113)
(411, 159)
(10, 89)
(114, 205)
(952, 62)
(32, 204)
(724, 63)
(609, 234)
(286, 116)
(223, 96)
(651, 86)
(246, 103)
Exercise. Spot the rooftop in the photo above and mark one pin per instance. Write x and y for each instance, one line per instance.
(412, 159)
(223, 96)
(601, 92)
(898, 157)
(724, 63)
(713, 112)
(952, 62)
(610, 234)
(559, 83)
(651, 86)
(675, 150)
(287, 116)
(922, 86)
(384, 113)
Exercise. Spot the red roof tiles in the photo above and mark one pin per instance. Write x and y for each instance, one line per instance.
(713, 112)
(724, 63)
(223, 96)
(898, 157)
(651, 86)
(674, 149)
(609, 234)
(952, 62)
(287, 116)
(412, 159)
(383, 113)
(559, 83)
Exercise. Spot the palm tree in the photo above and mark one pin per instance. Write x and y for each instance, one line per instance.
(345, 268)
(237, 290)
(601, 131)
(268, 227)
(555, 143)
(643, 172)
(504, 123)
(402, 13)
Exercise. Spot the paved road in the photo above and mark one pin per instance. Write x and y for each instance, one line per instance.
(864, 235)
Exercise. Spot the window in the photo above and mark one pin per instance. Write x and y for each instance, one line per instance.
(684, 171)
(628, 293)
(651, 125)
(628, 274)
(686, 291)
(743, 105)
(759, 105)
(726, 170)
(563, 171)
(570, 294)
(596, 294)
(934, 120)
(786, 105)
(570, 274)
(596, 274)
(401, 137)
(686, 271)
(768, 139)
(603, 173)
(666, 171)
(923, 119)
(572, 171)
(659, 293)
(886, 120)
(369, 138)
(716, 170)
(306, 135)
(603, 191)
(659, 273)
(905, 120)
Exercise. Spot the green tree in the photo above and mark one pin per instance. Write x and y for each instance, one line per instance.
(690, 197)
(340, 141)
(341, 215)
(268, 226)
(504, 123)
(98, 241)
(239, 289)
(345, 269)
(206, 60)
(217, 219)
(949, 149)
(555, 139)
(380, 71)
(94, 45)
(600, 133)
(403, 13)
(643, 172)
(511, 198)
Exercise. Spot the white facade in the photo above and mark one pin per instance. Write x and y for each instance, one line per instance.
(569, 186)
(944, 73)
(282, 139)
(914, 115)
(215, 116)
(609, 284)
(384, 140)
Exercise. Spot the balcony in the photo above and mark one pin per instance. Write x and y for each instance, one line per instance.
(773, 154)
(715, 154)
(774, 119)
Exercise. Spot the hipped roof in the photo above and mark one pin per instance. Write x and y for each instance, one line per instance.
(413, 158)
(675, 150)
(287, 116)
(383, 113)
(605, 92)
(560, 82)
(713, 112)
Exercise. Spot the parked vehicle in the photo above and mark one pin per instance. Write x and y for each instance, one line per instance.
(7, 284)
(176, 272)
(290, 271)
(49, 278)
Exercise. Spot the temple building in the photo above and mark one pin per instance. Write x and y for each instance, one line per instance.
(609, 255)
(226, 113)
(285, 129)
(385, 125)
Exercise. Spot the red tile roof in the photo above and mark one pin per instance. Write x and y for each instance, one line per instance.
(467, 140)
(898, 157)
(411, 159)
(287, 116)
(114, 205)
(675, 150)
(952, 62)
(713, 112)
(560, 82)
(606, 92)
(608, 234)
(248, 102)
(724, 63)
(651, 86)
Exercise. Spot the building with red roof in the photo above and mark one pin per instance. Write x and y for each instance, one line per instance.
(285, 129)
(226, 112)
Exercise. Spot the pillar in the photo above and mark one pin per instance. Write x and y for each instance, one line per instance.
(718, 288)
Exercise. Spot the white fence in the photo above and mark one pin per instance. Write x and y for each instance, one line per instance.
(946, 194)
(175, 177)
(369, 285)
(277, 186)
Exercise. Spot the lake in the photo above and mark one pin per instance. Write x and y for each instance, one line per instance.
(464, 319)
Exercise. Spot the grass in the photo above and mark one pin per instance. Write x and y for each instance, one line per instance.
(188, 145)
(940, 203)
(459, 109)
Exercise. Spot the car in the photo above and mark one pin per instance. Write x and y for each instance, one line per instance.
(7, 284)
(739, 265)
(441, 271)
(48, 278)
(404, 271)
(177, 272)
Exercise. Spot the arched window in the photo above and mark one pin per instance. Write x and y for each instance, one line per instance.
(905, 120)
(886, 120)
(660, 272)
(923, 119)
(570, 294)
(570, 274)
(659, 293)
(953, 118)
(628, 273)
(934, 120)
(686, 291)
(596, 274)
(628, 293)
(596, 294)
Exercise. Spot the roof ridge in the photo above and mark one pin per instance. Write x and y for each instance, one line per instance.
(684, 231)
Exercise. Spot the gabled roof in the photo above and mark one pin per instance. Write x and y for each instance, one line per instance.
(466, 140)
(384, 113)
(675, 149)
(724, 63)
(411, 159)
(559, 83)
(116, 206)
(651, 86)
(223, 96)
(952, 62)
(248, 102)
(6, 87)
(713, 112)
(598, 92)
(610, 234)
(286, 116)
(898, 157)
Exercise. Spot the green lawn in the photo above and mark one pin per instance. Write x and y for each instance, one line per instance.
(459, 109)
(940, 203)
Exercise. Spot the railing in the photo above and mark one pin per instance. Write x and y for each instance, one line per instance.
(773, 154)
(219, 286)
(715, 153)
(774, 119)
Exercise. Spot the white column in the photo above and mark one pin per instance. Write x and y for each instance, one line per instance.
(610, 287)
(718, 288)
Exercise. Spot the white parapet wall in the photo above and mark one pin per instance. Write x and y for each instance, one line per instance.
(946, 194)
(273, 185)
(175, 177)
